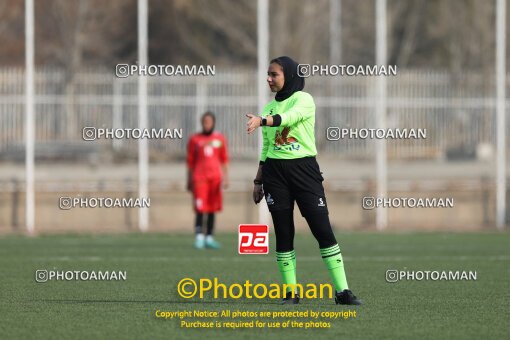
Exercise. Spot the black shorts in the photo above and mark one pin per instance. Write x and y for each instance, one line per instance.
(289, 180)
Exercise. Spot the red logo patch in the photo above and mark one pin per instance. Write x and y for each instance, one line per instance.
(253, 239)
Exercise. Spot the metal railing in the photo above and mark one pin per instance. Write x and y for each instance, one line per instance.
(457, 111)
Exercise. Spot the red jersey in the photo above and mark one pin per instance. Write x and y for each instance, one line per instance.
(206, 155)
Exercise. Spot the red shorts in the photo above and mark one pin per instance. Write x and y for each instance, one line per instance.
(207, 195)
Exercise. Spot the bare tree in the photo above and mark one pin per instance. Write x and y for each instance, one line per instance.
(70, 34)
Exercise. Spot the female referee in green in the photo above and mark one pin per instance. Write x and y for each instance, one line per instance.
(289, 172)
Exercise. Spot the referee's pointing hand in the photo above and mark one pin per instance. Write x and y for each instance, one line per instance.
(253, 122)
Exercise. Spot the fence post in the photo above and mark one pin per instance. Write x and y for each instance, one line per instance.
(485, 199)
(249, 201)
(127, 212)
(15, 200)
(200, 102)
(117, 112)
(370, 188)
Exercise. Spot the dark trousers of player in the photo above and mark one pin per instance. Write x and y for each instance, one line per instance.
(199, 221)
(296, 180)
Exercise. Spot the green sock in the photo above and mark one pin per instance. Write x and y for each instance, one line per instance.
(295, 265)
(332, 257)
(287, 266)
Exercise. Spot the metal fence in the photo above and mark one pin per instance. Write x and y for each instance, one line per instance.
(458, 111)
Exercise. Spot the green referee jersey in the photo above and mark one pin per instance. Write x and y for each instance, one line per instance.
(295, 137)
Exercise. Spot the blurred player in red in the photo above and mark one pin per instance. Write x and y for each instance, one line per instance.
(207, 173)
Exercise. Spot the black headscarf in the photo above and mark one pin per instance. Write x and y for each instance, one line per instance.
(293, 82)
(210, 114)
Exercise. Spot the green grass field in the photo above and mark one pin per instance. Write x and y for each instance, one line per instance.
(156, 262)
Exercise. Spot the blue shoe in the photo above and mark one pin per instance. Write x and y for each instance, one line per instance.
(199, 242)
(211, 243)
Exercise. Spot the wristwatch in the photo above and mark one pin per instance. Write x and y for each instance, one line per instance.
(263, 122)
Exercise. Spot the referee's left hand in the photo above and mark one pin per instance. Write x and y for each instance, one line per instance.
(253, 122)
(258, 193)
